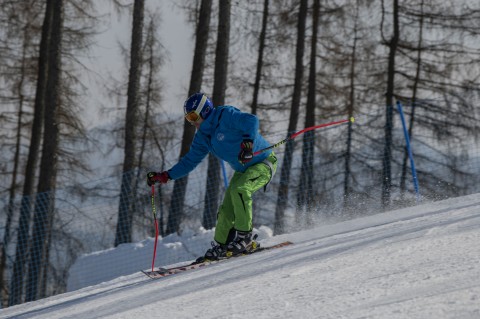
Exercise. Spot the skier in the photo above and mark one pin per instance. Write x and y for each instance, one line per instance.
(232, 136)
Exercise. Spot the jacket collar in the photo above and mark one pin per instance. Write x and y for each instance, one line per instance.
(209, 125)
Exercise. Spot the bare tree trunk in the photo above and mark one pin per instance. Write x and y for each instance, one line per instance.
(125, 209)
(176, 213)
(350, 108)
(387, 153)
(305, 190)
(16, 285)
(282, 199)
(413, 102)
(261, 48)
(16, 163)
(149, 46)
(45, 201)
(218, 97)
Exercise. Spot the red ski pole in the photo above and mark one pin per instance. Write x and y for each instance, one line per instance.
(311, 128)
(154, 211)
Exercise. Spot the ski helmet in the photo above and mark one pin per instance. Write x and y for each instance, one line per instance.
(200, 104)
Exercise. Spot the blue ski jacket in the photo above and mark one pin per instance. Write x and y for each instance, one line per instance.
(221, 134)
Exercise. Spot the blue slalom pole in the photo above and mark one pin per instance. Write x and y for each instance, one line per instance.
(409, 149)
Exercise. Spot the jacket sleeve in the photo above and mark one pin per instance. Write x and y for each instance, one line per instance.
(198, 151)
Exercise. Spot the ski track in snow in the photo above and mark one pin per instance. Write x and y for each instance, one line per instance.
(419, 262)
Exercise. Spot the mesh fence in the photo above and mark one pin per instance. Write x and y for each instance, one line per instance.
(336, 173)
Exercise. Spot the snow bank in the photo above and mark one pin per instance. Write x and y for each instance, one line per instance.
(97, 267)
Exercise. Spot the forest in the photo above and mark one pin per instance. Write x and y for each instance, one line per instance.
(68, 187)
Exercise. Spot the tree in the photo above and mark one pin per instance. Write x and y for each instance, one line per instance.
(33, 152)
(218, 98)
(153, 56)
(355, 63)
(414, 97)
(260, 60)
(387, 153)
(282, 198)
(62, 123)
(21, 36)
(176, 211)
(125, 209)
(45, 200)
(437, 77)
(305, 190)
(261, 49)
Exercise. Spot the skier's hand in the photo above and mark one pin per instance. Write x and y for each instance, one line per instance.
(246, 152)
(154, 177)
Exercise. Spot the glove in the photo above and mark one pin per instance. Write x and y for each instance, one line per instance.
(154, 177)
(246, 152)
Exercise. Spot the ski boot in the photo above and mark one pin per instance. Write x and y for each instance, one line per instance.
(217, 251)
(243, 244)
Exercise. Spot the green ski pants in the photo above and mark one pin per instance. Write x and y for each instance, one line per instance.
(235, 213)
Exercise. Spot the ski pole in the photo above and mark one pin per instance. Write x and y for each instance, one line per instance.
(311, 128)
(154, 211)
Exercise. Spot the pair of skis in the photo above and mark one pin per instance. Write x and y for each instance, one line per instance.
(164, 272)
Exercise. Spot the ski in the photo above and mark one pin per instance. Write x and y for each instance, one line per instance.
(164, 272)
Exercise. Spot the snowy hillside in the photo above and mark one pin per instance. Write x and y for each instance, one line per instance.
(419, 262)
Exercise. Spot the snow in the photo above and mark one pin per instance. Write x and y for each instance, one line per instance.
(417, 262)
(128, 258)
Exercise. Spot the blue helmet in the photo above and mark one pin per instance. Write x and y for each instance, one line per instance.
(199, 103)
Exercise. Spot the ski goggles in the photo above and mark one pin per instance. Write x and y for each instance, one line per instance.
(192, 116)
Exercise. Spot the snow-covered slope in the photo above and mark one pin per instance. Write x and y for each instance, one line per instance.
(419, 262)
